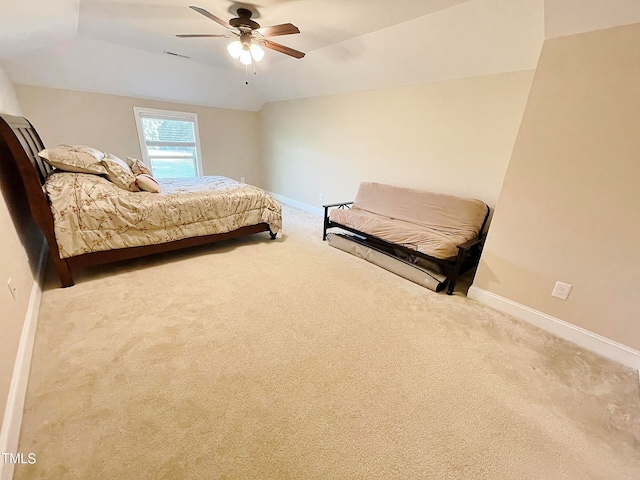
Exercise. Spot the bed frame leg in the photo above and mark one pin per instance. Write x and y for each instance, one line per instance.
(272, 235)
(456, 271)
(64, 272)
(324, 223)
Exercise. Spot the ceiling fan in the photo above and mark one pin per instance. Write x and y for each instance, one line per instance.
(251, 36)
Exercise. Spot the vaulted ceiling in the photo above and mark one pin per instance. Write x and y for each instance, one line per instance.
(117, 46)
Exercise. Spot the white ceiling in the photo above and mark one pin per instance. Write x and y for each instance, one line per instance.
(116, 46)
(152, 24)
(476, 38)
(26, 25)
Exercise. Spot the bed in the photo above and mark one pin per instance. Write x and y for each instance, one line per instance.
(87, 220)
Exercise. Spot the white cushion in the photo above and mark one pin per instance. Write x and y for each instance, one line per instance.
(147, 183)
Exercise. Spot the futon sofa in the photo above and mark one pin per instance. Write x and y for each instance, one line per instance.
(445, 231)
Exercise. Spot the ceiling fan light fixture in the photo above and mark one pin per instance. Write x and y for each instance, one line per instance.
(245, 57)
(251, 37)
(256, 52)
(235, 49)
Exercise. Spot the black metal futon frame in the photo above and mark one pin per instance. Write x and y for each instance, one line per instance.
(468, 252)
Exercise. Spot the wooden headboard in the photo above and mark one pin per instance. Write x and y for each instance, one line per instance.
(29, 144)
(19, 147)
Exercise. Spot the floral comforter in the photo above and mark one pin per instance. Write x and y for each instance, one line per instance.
(92, 214)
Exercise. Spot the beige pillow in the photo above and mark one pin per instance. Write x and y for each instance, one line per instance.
(137, 167)
(147, 183)
(75, 158)
(119, 173)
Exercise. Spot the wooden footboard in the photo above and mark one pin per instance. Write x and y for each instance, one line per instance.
(108, 256)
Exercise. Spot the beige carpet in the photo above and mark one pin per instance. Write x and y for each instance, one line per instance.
(259, 359)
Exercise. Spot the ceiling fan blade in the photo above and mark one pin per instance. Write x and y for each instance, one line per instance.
(211, 16)
(282, 49)
(197, 35)
(275, 30)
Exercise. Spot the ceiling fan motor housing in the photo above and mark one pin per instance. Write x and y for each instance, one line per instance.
(244, 20)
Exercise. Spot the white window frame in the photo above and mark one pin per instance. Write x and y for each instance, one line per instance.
(172, 115)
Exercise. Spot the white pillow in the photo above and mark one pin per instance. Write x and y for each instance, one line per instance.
(147, 183)
(75, 159)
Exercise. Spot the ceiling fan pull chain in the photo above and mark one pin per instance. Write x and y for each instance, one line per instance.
(246, 73)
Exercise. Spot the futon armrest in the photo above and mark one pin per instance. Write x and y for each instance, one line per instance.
(470, 243)
(337, 204)
(327, 222)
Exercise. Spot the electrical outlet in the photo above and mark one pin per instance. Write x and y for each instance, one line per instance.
(12, 289)
(242, 179)
(321, 197)
(561, 290)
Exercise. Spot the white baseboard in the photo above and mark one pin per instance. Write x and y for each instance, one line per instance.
(12, 420)
(584, 338)
(297, 204)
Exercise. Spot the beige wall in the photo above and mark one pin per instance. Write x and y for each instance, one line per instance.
(14, 264)
(570, 205)
(8, 98)
(454, 137)
(570, 17)
(228, 138)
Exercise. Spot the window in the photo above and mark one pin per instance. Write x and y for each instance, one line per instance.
(169, 142)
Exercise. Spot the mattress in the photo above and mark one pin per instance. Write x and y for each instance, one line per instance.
(431, 223)
(422, 276)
